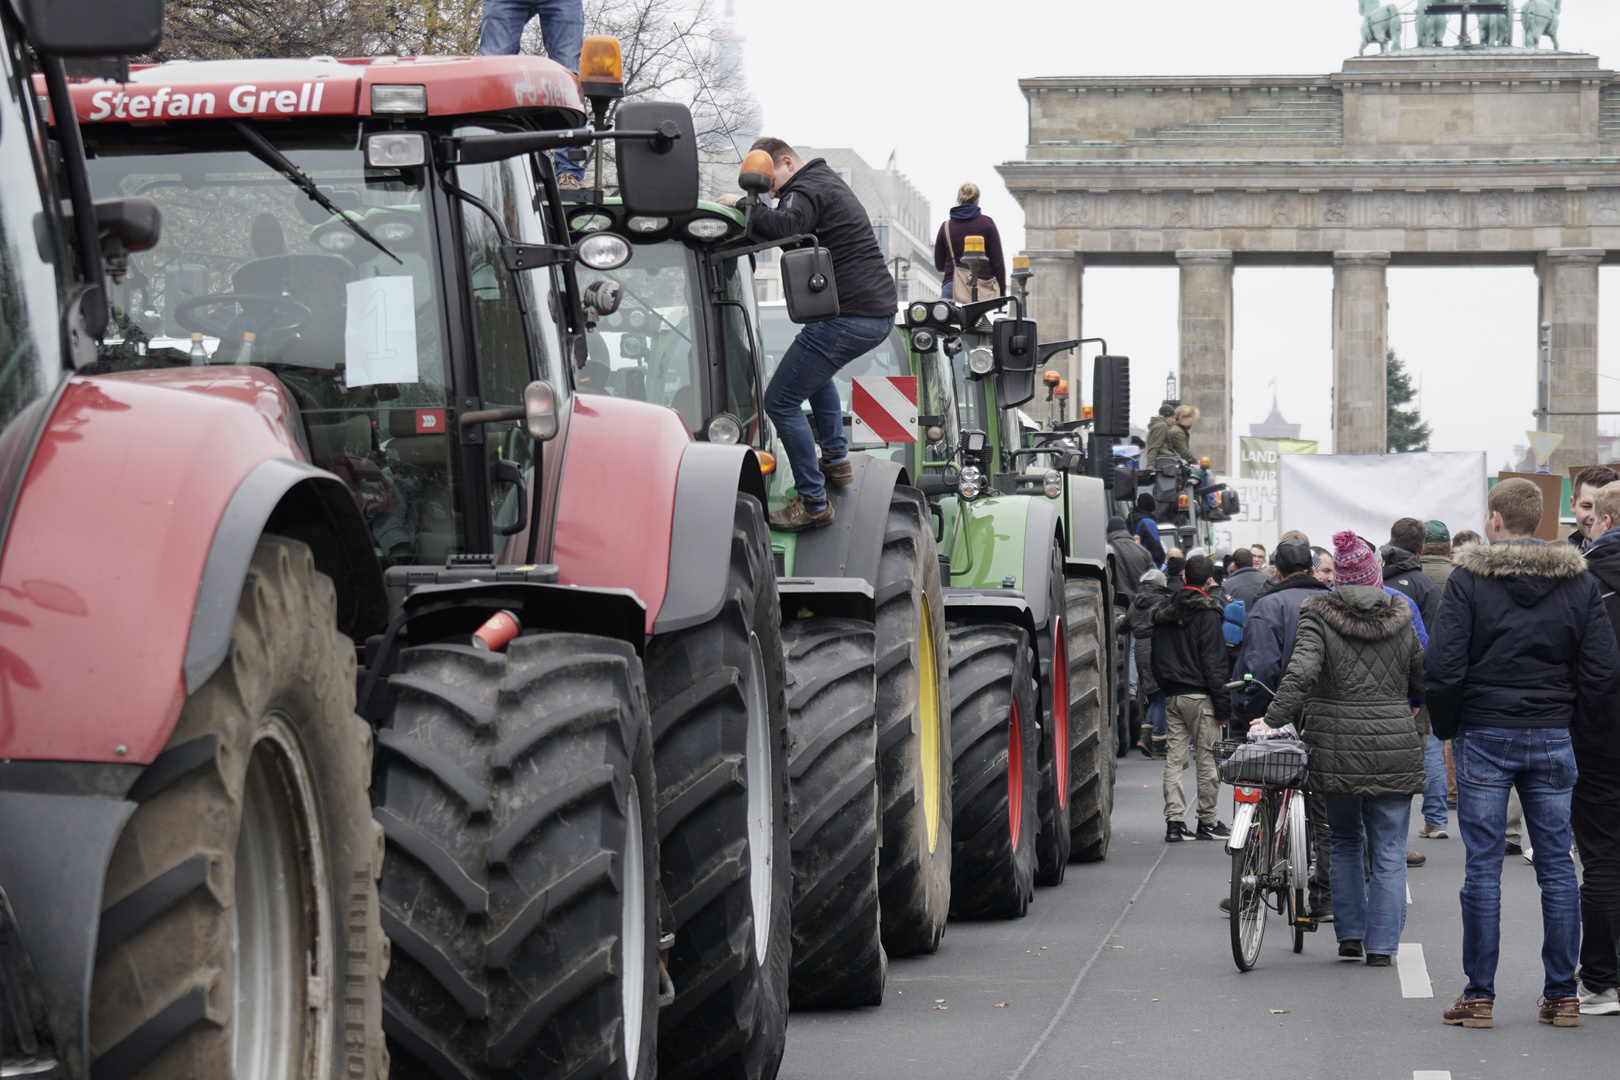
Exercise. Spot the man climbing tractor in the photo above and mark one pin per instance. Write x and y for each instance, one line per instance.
(813, 200)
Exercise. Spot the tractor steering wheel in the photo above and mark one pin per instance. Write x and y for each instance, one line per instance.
(264, 314)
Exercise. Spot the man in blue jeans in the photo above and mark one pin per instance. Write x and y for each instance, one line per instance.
(812, 199)
(1523, 652)
(562, 28)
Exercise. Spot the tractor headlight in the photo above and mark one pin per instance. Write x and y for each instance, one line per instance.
(726, 429)
(935, 433)
(707, 228)
(971, 483)
(942, 313)
(648, 224)
(604, 251)
(336, 240)
(922, 341)
(1054, 483)
(918, 313)
(982, 360)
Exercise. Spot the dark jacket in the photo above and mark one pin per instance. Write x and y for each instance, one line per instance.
(1131, 561)
(1189, 649)
(958, 228)
(1146, 528)
(816, 200)
(1404, 573)
(1269, 629)
(1356, 663)
(1437, 568)
(1522, 641)
(1150, 596)
(1599, 736)
(1245, 584)
(1167, 440)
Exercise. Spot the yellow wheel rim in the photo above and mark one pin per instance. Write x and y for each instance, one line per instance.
(928, 707)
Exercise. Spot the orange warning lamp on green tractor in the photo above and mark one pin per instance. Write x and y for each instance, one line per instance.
(601, 72)
(758, 173)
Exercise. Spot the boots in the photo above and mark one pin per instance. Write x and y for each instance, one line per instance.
(1144, 741)
(1161, 747)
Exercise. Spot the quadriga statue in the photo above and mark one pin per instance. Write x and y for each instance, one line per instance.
(1540, 18)
(1431, 29)
(1497, 29)
(1380, 23)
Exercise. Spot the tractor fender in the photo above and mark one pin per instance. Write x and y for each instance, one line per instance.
(992, 606)
(844, 598)
(852, 545)
(123, 550)
(706, 487)
(1042, 528)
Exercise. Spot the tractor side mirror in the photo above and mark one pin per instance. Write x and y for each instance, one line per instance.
(1111, 396)
(508, 493)
(658, 177)
(93, 27)
(135, 223)
(1013, 342)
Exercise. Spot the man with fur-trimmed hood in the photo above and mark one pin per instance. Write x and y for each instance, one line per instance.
(1524, 651)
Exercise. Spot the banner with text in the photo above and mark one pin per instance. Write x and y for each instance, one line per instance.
(1259, 456)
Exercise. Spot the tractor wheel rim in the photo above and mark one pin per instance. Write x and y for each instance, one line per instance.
(1015, 774)
(1060, 711)
(761, 804)
(281, 937)
(633, 931)
(928, 708)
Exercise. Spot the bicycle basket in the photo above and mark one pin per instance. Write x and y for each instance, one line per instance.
(1267, 763)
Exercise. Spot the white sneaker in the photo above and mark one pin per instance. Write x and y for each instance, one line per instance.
(1436, 833)
(1529, 855)
(1606, 1003)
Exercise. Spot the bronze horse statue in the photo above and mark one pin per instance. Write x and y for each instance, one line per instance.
(1431, 29)
(1540, 18)
(1497, 30)
(1380, 23)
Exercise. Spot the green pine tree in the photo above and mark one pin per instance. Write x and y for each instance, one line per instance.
(1407, 432)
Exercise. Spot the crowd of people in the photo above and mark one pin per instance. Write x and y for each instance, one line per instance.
(1478, 672)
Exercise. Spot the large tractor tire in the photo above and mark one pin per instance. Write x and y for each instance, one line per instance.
(1092, 763)
(914, 733)
(838, 958)
(720, 751)
(520, 887)
(239, 935)
(994, 775)
(1052, 800)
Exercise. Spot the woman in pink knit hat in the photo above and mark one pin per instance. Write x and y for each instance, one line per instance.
(1356, 666)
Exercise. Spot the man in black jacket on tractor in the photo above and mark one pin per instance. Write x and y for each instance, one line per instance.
(1190, 666)
(813, 200)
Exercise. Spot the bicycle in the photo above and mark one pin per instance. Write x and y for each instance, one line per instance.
(1270, 842)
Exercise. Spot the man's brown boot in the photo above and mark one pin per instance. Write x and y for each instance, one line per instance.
(795, 518)
(1470, 1014)
(1144, 741)
(841, 473)
(1161, 747)
(1560, 1012)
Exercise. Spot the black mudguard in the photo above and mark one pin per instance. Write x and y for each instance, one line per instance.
(1042, 529)
(993, 606)
(844, 598)
(710, 478)
(852, 545)
(58, 824)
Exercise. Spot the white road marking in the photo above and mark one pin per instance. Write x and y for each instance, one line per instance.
(1414, 978)
(1430, 1074)
(1409, 892)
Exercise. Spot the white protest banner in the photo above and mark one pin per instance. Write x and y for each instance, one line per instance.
(1367, 493)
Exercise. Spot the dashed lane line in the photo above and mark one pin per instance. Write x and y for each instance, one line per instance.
(1414, 972)
(1068, 1000)
(1430, 1074)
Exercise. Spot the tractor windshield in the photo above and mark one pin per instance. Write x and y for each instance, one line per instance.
(250, 270)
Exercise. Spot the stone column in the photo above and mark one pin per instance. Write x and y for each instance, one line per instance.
(1360, 352)
(1206, 352)
(1569, 301)
(1054, 303)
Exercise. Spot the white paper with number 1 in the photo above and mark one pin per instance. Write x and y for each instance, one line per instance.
(379, 332)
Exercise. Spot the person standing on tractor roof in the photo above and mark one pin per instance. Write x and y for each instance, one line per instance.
(812, 199)
(968, 220)
(562, 28)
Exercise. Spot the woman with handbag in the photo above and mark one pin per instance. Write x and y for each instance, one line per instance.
(950, 245)
(1356, 671)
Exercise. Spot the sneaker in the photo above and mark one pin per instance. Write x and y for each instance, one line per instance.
(841, 473)
(1226, 909)
(1414, 858)
(1601, 1003)
(796, 517)
(1173, 831)
(1216, 831)
(1428, 833)
(1559, 1012)
(1475, 1013)
(1529, 855)
(1513, 849)
(1378, 959)
(1323, 914)
(1185, 832)
(1350, 949)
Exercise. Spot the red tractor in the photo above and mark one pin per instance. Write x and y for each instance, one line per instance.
(333, 417)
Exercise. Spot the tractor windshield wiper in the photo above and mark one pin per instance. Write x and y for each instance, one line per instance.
(266, 152)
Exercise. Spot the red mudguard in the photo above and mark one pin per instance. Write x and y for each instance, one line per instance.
(100, 571)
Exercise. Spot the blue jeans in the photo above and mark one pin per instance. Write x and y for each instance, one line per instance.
(1435, 814)
(1156, 714)
(1368, 871)
(562, 28)
(806, 374)
(1540, 763)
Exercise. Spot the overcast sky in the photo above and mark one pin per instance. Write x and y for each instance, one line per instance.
(937, 83)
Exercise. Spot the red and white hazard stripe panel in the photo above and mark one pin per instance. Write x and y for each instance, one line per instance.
(885, 408)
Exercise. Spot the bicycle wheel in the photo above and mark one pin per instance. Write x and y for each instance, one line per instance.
(1248, 920)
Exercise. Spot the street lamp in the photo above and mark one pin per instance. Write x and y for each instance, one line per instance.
(902, 276)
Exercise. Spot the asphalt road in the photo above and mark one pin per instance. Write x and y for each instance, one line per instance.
(1125, 970)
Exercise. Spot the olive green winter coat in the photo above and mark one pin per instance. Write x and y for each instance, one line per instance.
(1356, 663)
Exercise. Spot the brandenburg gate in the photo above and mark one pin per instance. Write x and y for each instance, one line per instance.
(1418, 157)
